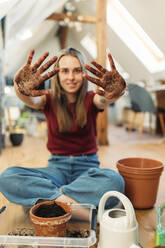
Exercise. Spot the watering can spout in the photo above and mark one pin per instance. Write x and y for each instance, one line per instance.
(117, 226)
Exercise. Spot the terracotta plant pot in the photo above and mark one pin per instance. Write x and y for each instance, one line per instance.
(50, 227)
(141, 176)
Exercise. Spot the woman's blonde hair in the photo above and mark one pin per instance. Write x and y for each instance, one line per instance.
(63, 113)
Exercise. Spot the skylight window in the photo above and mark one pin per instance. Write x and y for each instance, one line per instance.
(131, 33)
(26, 34)
(89, 43)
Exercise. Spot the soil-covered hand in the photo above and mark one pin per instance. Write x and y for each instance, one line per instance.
(111, 81)
(29, 77)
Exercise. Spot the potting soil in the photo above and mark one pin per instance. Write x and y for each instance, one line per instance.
(49, 211)
(83, 233)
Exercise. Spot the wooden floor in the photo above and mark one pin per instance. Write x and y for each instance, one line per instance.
(33, 153)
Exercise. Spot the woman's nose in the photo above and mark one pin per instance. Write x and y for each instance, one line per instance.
(71, 75)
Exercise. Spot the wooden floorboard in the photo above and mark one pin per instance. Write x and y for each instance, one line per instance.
(33, 153)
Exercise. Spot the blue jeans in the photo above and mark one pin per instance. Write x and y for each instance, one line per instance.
(79, 177)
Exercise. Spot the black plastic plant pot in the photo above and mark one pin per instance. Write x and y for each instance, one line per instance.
(16, 138)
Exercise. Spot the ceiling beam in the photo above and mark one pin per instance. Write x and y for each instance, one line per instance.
(101, 40)
(72, 18)
(63, 32)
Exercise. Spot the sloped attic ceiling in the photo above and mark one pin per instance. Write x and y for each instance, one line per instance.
(149, 14)
(120, 50)
(26, 28)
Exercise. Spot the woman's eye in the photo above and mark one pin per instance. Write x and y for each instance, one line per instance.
(77, 70)
(64, 70)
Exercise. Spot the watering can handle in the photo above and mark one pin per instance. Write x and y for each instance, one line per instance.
(126, 203)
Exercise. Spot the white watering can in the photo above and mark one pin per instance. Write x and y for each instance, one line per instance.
(118, 227)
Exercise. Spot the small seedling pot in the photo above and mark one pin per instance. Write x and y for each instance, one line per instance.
(50, 227)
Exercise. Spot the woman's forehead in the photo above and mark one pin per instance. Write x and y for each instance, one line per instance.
(69, 61)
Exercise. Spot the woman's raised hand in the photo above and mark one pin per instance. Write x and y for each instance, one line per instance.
(29, 78)
(111, 82)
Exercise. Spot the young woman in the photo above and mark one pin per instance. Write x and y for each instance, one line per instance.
(73, 173)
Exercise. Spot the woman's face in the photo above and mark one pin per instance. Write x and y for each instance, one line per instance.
(70, 74)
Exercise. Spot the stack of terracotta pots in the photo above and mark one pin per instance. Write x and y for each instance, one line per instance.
(141, 176)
